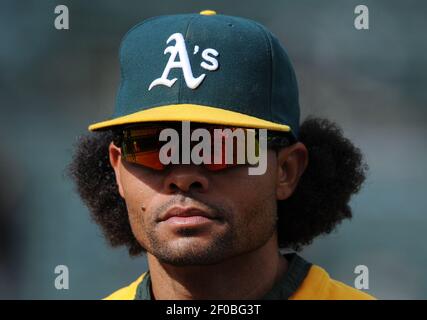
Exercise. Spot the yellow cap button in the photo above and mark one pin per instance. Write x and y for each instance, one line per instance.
(208, 12)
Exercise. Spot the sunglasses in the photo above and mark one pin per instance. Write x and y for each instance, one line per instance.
(140, 144)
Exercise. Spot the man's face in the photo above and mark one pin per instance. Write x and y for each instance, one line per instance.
(241, 207)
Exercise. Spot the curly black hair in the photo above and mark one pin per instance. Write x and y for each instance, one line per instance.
(336, 170)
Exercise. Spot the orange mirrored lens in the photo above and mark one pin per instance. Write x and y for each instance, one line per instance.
(147, 158)
(142, 146)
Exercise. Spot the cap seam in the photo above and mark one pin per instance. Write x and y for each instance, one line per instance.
(122, 71)
(140, 24)
(185, 43)
(270, 53)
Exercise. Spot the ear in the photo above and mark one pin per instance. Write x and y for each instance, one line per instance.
(116, 162)
(291, 164)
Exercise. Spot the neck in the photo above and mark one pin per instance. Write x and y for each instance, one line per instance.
(247, 276)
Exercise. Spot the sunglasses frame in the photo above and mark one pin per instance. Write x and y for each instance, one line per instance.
(276, 140)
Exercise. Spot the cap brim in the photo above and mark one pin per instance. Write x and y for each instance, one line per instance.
(192, 113)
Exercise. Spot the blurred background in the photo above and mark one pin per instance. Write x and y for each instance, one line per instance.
(54, 83)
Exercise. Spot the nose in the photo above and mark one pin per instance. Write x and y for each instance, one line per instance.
(186, 178)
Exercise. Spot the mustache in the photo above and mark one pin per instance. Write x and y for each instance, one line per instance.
(186, 201)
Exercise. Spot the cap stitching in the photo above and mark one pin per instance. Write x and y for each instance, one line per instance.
(270, 50)
(127, 35)
(122, 71)
(182, 75)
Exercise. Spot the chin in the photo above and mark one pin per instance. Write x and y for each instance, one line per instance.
(192, 253)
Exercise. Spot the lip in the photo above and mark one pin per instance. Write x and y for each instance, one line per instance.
(187, 214)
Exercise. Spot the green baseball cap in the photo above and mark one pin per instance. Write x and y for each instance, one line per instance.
(208, 68)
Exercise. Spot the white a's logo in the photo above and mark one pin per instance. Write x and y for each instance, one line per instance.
(209, 63)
